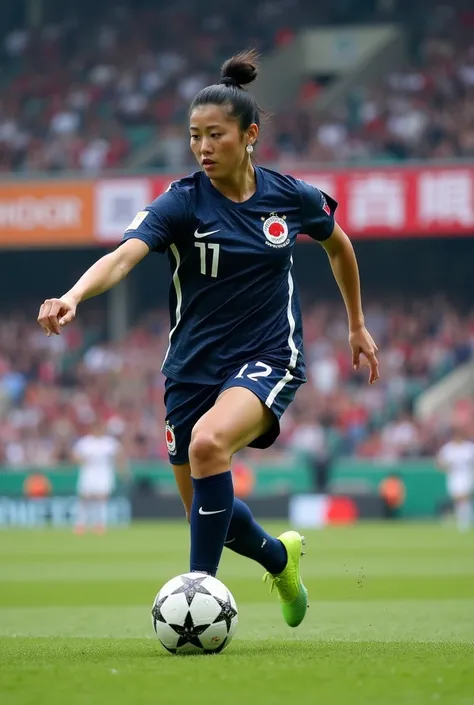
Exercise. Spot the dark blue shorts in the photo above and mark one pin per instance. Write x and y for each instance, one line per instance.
(187, 402)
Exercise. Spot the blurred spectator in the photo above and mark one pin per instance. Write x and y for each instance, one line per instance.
(309, 442)
(244, 479)
(400, 438)
(37, 486)
(392, 492)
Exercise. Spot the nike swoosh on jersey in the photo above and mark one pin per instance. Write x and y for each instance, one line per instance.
(198, 234)
(218, 511)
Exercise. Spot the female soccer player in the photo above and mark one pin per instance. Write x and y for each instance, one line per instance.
(456, 459)
(98, 455)
(235, 355)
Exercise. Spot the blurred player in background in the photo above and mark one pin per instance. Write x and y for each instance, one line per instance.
(235, 358)
(99, 456)
(456, 459)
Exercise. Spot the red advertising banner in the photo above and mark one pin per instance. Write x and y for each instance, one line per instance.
(393, 203)
(373, 204)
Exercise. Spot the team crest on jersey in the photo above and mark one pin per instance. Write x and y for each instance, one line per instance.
(276, 230)
(170, 439)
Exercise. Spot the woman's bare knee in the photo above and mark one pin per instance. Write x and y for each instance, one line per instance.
(207, 452)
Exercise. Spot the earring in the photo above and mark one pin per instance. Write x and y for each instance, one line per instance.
(249, 148)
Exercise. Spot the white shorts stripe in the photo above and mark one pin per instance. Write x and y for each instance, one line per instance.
(179, 296)
(277, 388)
(291, 320)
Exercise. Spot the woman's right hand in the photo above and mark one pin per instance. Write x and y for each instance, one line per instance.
(54, 314)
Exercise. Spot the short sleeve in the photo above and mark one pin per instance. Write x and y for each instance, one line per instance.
(158, 223)
(317, 211)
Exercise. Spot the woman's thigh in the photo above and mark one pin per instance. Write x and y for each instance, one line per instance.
(237, 418)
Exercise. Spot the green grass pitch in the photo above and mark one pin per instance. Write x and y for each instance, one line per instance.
(391, 621)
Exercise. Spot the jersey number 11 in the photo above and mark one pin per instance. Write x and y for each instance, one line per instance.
(203, 247)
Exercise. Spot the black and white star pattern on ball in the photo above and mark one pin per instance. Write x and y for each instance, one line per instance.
(188, 632)
(156, 612)
(227, 612)
(190, 587)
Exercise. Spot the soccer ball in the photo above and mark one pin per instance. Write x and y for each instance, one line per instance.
(194, 613)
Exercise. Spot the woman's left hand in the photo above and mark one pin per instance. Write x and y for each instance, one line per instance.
(362, 343)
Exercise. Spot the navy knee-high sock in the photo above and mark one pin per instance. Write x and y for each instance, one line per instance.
(248, 538)
(211, 512)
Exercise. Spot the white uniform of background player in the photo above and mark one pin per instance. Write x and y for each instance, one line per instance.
(456, 458)
(98, 455)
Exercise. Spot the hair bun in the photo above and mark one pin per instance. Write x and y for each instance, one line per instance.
(229, 81)
(240, 69)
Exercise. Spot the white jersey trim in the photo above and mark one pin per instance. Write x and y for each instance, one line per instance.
(179, 297)
(277, 388)
(291, 319)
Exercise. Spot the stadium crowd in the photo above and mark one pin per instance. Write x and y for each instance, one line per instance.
(52, 389)
(85, 92)
(421, 113)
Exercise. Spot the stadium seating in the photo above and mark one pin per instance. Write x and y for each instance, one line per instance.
(85, 91)
(51, 389)
(86, 94)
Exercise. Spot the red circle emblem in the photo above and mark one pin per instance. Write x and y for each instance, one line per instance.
(276, 229)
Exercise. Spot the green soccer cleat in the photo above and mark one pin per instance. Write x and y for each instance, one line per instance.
(293, 594)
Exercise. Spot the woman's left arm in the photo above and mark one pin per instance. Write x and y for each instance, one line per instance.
(346, 273)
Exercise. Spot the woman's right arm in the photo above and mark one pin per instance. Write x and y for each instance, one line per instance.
(102, 276)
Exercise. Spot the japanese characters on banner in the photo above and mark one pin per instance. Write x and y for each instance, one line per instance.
(388, 203)
(373, 203)
(423, 202)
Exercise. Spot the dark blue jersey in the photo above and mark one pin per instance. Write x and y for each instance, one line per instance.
(232, 296)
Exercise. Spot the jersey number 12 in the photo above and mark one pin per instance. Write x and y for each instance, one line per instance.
(203, 247)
